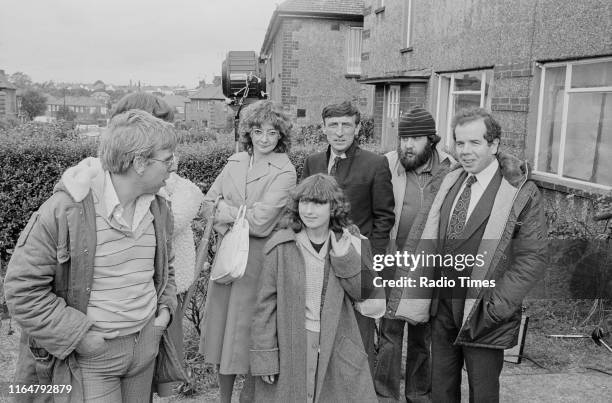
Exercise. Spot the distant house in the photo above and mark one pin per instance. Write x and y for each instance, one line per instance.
(99, 85)
(8, 97)
(177, 102)
(101, 95)
(208, 105)
(312, 54)
(89, 110)
(159, 91)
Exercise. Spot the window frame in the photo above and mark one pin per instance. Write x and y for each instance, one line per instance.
(353, 59)
(393, 101)
(567, 91)
(408, 25)
(485, 98)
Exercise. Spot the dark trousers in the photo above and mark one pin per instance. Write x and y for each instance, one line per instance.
(483, 365)
(389, 361)
(367, 328)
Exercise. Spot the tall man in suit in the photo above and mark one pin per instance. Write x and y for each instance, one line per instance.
(365, 178)
(485, 207)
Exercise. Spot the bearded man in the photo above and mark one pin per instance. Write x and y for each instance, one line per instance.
(417, 169)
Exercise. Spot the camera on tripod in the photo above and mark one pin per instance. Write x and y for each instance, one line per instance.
(242, 79)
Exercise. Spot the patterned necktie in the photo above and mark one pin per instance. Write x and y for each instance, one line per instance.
(459, 216)
(334, 167)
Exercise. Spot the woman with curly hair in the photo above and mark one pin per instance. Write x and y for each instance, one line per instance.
(259, 178)
(306, 343)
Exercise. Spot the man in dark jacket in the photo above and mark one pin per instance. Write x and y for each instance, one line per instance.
(91, 280)
(365, 178)
(487, 209)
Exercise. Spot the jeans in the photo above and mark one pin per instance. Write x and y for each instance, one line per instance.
(389, 364)
(123, 370)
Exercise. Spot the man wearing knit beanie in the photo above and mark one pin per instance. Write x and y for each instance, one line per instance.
(417, 168)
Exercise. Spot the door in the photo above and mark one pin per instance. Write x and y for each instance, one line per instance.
(391, 116)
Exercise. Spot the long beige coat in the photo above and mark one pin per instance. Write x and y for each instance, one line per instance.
(264, 189)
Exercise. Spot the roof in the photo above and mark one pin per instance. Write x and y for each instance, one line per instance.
(175, 100)
(76, 101)
(4, 82)
(209, 92)
(323, 6)
(349, 10)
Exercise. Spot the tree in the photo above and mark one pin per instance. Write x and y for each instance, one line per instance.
(20, 80)
(33, 104)
(202, 83)
(66, 113)
(217, 81)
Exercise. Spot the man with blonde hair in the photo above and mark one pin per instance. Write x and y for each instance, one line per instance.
(91, 280)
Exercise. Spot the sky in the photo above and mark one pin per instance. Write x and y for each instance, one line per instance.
(156, 42)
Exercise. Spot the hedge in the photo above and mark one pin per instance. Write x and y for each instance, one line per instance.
(30, 167)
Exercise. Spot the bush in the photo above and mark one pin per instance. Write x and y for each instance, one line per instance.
(310, 135)
(8, 123)
(29, 169)
(41, 132)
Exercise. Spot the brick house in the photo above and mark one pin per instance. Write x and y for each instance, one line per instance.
(8, 97)
(208, 105)
(88, 110)
(177, 102)
(312, 56)
(543, 67)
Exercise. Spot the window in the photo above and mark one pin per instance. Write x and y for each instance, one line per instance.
(354, 50)
(457, 91)
(408, 24)
(574, 127)
(393, 102)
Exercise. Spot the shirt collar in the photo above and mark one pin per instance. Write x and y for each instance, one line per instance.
(304, 242)
(484, 177)
(333, 155)
(112, 207)
(429, 166)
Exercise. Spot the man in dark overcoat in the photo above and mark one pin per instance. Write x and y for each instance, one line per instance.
(365, 178)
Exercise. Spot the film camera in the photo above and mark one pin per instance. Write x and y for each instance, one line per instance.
(243, 82)
(242, 79)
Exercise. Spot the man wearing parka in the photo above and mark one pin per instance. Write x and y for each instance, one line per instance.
(279, 337)
(51, 272)
(506, 228)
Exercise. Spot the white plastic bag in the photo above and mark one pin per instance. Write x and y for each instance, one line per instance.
(233, 253)
(375, 306)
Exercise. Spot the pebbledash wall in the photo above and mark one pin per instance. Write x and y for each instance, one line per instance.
(306, 67)
(414, 51)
